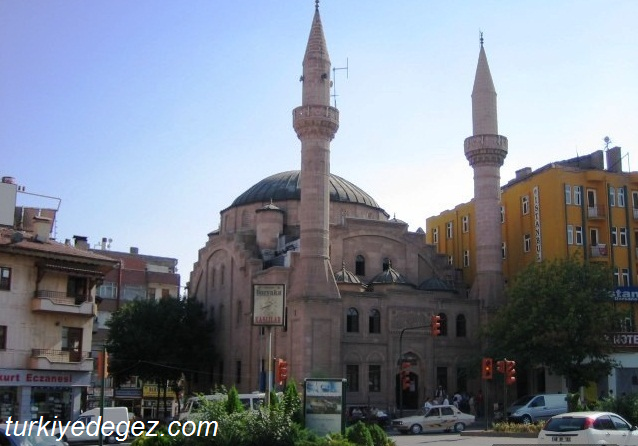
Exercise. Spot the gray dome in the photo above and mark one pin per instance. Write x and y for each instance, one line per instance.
(390, 276)
(435, 284)
(285, 186)
(345, 276)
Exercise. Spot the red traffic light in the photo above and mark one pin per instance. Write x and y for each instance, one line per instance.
(487, 371)
(510, 372)
(435, 325)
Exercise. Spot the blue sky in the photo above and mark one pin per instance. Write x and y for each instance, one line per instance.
(148, 117)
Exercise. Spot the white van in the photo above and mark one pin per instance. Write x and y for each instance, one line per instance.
(532, 408)
(119, 416)
(250, 401)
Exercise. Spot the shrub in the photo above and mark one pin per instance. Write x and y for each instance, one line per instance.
(359, 434)
(517, 427)
(233, 403)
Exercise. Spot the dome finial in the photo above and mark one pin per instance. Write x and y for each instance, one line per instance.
(481, 37)
(316, 5)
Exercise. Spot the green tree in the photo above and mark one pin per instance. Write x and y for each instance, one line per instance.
(158, 340)
(558, 314)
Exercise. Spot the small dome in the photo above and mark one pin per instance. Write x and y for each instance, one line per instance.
(435, 284)
(390, 276)
(345, 276)
(286, 186)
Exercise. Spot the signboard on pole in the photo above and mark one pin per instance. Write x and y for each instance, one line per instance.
(269, 304)
(325, 405)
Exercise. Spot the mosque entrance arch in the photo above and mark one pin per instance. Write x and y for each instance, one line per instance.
(407, 382)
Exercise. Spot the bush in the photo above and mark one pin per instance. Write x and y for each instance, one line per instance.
(359, 434)
(626, 406)
(517, 427)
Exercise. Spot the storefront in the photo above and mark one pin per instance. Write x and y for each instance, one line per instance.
(151, 397)
(31, 394)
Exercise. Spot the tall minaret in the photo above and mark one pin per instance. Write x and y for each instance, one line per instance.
(315, 123)
(314, 332)
(486, 150)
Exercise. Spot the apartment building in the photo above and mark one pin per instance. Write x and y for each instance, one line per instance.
(48, 304)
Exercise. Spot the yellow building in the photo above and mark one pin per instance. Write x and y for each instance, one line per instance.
(565, 207)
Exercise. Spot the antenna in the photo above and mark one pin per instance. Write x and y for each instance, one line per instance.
(607, 141)
(334, 81)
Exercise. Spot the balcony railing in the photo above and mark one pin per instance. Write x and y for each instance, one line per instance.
(596, 212)
(60, 302)
(599, 251)
(47, 359)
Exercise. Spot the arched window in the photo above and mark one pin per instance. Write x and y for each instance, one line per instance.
(374, 321)
(443, 324)
(461, 326)
(352, 320)
(386, 263)
(360, 266)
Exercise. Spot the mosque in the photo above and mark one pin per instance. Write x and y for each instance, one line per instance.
(360, 289)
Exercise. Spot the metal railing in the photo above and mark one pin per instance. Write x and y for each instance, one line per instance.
(61, 297)
(64, 356)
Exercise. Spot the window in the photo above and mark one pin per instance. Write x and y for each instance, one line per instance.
(578, 194)
(360, 266)
(503, 251)
(612, 196)
(108, 290)
(570, 234)
(527, 243)
(374, 378)
(238, 372)
(5, 278)
(624, 274)
(502, 214)
(386, 264)
(634, 200)
(614, 236)
(352, 375)
(623, 236)
(466, 258)
(3, 337)
(352, 321)
(525, 204)
(450, 260)
(568, 194)
(435, 235)
(621, 197)
(150, 294)
(166, 293)
(616, 277)
(461, 326)
(72, 343)
(579, 235)
(449, 229)
(374, 321)
(466, 223)
(593, 236)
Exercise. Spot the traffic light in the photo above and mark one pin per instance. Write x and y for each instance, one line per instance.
(510, 372)
(102, 365)
(486, 368)
(435, 325)
(500, 366)
(405, 375)
(282, 371)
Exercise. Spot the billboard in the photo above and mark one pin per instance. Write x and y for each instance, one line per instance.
(325, 405)
(269, 304)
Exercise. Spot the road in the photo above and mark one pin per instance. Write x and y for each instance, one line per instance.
(457, 440)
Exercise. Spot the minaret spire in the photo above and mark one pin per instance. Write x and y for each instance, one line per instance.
(486, 151)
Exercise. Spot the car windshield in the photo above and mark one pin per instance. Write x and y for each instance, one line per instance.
(565, 424)
(522, 401)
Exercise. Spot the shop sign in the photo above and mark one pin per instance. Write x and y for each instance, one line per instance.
(128, 393)
(43, 378)
(625, 294)
(150, 391)
(625, 340)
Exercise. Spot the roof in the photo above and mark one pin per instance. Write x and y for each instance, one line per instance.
(20, 242)
(286, 186)
(390, 276)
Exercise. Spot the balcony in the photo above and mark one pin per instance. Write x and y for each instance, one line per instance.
(45, 359)
(598, 212)
(599, 251)
(58, 302)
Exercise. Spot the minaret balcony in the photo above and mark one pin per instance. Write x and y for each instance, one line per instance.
(308, 116)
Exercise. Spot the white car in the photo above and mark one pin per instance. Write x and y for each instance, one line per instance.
(437, 418)
(588, 428)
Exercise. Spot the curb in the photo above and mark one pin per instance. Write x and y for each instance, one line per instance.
(499, 434)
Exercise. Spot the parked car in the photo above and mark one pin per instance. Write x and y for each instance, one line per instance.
(588, 428)
(437, 418)
(533, 408)
(366, 414)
